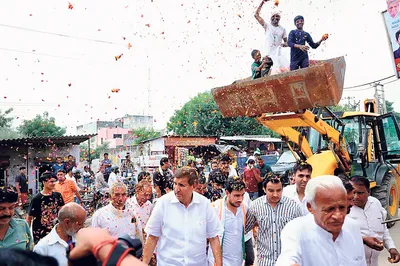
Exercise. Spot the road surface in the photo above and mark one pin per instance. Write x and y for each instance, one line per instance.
(395, 233)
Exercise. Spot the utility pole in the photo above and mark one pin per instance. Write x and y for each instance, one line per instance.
(380, 97)
(351, 103)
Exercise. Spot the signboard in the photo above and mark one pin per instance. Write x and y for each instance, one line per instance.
(392, 22)
(189, 141)
(151, 160)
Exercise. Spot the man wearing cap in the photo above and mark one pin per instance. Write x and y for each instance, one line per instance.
(275, 36)
(127, 166)
(297, 43)
(14, 233)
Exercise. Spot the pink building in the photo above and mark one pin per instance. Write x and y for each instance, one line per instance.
(113, 135)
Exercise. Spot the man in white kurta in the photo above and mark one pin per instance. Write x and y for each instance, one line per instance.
(116, 217)
(180, 224)
(369, 214)
(325, 236)
(231, 212)
(140, 203)
(275, 39)
(301, 174)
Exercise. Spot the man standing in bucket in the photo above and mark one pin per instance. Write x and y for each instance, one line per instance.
(297, 43)
(275, 38)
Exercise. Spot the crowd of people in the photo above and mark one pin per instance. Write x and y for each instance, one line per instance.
(185, 218)
(276, 39)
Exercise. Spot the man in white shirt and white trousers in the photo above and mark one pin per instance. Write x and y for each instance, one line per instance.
(368, 213)
(302, 174)
(181, 223)
(326, 236)
(231, 211)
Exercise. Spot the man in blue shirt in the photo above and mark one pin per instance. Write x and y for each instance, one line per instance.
(297, 43)
(397, 52)
(14, 233)
(106, 163)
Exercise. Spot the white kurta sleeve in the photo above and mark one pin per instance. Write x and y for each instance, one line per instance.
(291, 246)
(155, 222)
(387, 239)
(95, 220)
(213, 224)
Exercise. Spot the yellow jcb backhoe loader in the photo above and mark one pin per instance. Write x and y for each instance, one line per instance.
(294, 105)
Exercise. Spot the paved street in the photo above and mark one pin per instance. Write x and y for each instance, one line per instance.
(395, 233)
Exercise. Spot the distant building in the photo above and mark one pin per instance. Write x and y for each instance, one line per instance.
(113, 135)
(117, 132)
(136, 121)
(93, 127)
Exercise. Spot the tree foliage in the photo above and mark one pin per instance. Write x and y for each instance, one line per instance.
(201, 117)
(5, 120)
(95, 153)
(144, 134)
(41, 126)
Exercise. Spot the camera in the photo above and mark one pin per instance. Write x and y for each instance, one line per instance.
(125, 242)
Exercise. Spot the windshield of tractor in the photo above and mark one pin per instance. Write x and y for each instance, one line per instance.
(391, 137)
(352, 134)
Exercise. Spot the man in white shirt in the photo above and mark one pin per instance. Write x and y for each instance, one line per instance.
(275, 38)
(181, 223)
(368, 213)
(302, 174)
(231, 212)
(324, 237)
(114, 176)
(71, 218)
(116, 217)
(140, 203)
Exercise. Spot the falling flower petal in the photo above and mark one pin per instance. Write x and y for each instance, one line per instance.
(118, 57)
(70, 6)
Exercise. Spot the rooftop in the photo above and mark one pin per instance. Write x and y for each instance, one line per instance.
(29, 141)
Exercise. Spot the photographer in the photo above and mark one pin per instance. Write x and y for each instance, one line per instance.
(99, 243)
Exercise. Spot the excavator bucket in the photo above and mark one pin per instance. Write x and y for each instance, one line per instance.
(319, 85)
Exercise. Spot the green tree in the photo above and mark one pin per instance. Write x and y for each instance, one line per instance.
(144, 134)
(95, 153)
(41, 126)
(200, 117)
(5, 120)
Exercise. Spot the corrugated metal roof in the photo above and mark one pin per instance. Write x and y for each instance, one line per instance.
(72, 139)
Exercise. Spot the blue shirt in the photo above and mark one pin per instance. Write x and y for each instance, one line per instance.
(107, 169)
(55, 167)
(18, 236)
(299, 37)
(397, 54)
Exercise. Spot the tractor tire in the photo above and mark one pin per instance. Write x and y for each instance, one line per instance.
(387, 194)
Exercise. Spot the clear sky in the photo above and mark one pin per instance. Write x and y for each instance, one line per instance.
(187, 47)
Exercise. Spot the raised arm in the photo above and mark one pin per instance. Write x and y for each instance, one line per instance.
(257, 14)
(312, 43)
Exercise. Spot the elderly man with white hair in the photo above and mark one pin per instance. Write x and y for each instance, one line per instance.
(325, 236)
(117, 217)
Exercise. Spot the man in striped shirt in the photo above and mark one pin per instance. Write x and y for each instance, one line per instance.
(271, 212)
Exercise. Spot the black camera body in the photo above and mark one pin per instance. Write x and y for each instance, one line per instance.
(125, 242)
